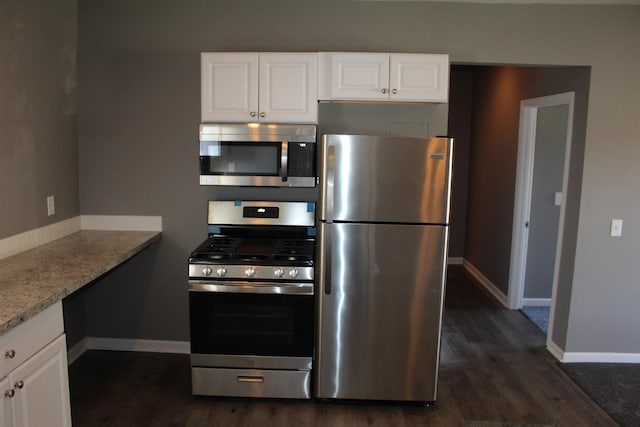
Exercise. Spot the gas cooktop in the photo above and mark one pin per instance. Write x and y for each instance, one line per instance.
(232, 250)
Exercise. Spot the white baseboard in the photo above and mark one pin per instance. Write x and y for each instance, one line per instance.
(555, 351)
(592, 357)
(76, 351)
(455, 260)
(125, 344)
(486, 283)
(536, 302)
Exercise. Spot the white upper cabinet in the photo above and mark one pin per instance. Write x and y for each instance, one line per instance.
(399, 77)
(266, 87)
(345, 76)
(229, 86)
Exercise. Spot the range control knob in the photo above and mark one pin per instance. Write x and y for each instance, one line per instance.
(206, 271)
(293, 273)
(221, 271)
(250, 272)
(278, 272)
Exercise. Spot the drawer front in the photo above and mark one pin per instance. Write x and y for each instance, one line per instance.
(251, 383)
(29, 337)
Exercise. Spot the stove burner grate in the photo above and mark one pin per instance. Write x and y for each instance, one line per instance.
(223, 248)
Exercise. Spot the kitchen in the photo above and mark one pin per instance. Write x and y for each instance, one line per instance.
(127, 74)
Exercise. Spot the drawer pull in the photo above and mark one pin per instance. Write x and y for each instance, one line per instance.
(247, 379)
(10, 354)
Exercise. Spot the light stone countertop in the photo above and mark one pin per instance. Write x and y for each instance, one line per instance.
(33, 280)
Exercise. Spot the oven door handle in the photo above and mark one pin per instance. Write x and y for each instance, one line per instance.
(251, 287)
(284, 160)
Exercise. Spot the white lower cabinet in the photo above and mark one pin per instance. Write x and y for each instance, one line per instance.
(33, 376)
(5, 408)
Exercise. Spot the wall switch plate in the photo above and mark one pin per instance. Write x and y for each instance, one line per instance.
(616, 228)
(51, 205)
(557, 198)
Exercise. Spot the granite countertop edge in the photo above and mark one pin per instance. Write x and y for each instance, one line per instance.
(143, 239)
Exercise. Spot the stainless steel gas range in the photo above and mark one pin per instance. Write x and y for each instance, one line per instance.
(251, 300)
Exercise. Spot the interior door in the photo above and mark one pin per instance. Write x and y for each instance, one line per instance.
(544, 217)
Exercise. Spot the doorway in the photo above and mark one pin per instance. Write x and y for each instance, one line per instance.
(544, 146)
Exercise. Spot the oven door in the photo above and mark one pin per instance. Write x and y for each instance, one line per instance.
(252, 327)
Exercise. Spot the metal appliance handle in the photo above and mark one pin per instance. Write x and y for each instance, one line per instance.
(330, 177)
(251, 287)
(326, 253)
(248, 379)
(284, 160)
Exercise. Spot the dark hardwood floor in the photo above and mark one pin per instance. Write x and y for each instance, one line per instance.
(494, 367)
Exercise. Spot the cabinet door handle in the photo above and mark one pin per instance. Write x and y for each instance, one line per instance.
(263, 114)
(252, 114)
(19, 384)
(384, 90)
(394, 91)
(9, 393)
(10, 354)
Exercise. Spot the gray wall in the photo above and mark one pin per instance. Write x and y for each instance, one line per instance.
(460, 118)
(139, 110)
(38, 144)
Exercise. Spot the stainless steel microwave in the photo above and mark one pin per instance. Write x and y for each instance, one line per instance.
(258, 154)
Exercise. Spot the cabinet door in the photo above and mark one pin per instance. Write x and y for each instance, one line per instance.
(229, 87)
(5, 407)
(358, 76)
(288, 88)
(41, 387)
(419, 77)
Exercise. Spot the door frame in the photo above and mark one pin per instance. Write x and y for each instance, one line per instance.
(524, 184)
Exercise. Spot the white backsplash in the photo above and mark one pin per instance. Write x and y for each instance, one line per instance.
(30, 239)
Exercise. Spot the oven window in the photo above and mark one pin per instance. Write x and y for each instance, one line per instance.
(239, 158)
(251, 324)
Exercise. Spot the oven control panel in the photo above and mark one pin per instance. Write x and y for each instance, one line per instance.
(249, 272)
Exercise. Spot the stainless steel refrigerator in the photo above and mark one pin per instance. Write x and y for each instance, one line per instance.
(383, 238)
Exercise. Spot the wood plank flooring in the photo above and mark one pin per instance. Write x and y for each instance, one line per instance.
(493, 368)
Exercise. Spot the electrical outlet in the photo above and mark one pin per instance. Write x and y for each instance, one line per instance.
(51, 205)
(616, 228)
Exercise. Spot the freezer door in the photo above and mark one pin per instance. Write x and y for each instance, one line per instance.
(379, 311)
(385, 179)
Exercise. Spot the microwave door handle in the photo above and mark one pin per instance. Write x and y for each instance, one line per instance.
(284, 160)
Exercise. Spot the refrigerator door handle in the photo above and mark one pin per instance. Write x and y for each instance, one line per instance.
(284, 160)
(326, 253)
(330, 175)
